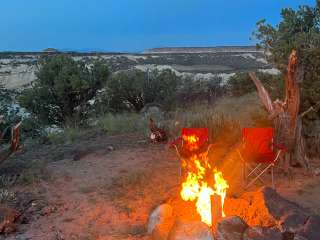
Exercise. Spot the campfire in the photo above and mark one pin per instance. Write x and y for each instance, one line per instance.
(261, 214)
(202, 183)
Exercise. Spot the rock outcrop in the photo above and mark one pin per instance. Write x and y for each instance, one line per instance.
(231, 228)
(267, 209)
(161, 215)
(183, 230)
(260, 215)
(262, 233)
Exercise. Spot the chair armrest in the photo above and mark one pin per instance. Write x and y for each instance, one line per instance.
(279, 147)
(176, 142)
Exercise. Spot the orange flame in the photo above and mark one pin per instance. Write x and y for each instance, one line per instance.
(195, 188)
(191, 141)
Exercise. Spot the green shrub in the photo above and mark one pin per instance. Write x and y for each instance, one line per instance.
(63, 88)
(132, 90)
(241, 84)
(199, 91)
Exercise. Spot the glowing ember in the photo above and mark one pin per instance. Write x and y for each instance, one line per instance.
(196, 188)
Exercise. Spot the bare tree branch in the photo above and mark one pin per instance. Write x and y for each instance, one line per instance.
(263, 94)
(311, 109)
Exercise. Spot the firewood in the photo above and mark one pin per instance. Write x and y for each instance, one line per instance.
(216, 211)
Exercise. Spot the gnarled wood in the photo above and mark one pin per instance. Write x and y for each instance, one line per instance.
(263, 93)
(292, 98)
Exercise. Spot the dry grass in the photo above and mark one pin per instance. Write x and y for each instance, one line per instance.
(227, 117)
(35, 172)
(123, 184)
(122, 123)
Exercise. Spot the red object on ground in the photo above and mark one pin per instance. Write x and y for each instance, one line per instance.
(258, 145)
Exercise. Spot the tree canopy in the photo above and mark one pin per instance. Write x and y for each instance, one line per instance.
(63, 87)
(298, 29)
(133, 89)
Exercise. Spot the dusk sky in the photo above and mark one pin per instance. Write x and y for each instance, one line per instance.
(132, 25)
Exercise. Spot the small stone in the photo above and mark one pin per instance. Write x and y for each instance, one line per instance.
(183, 230)
(317, 172)
(161, 231)
(160, 215)
(110, 148)
(262, 233)
(231, 228)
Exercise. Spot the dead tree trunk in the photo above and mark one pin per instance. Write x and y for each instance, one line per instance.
(285, 114)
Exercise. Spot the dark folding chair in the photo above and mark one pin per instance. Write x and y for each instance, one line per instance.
(258, 154)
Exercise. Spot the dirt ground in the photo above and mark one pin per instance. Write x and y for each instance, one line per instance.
(105, 187)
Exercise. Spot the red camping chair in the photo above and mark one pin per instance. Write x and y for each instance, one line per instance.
(258, 153)
(192, 141)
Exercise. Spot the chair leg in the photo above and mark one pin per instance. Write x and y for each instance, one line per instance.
(258, 176)
(253, 171)
(256, 171)
(244, 174)
(244, 177)
(272, 178)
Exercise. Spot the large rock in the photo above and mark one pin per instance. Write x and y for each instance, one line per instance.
(262, 233)
(160, 215)
(266, 208)
(292, 222)
(231, 228)
(183, 230)
(161, 231)
(311, 230)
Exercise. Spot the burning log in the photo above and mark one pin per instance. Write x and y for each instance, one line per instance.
(216, 211)
(285, 114)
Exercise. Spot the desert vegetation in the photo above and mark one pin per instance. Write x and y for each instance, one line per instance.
(85, 126)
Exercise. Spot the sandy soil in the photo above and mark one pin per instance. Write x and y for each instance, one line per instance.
(109, 194)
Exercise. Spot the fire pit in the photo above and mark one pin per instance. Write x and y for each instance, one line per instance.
(259, 215)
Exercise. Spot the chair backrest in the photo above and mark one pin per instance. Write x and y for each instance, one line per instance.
(194, 138)
(258, 144)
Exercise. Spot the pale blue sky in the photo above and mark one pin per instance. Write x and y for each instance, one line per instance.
(132, 25)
